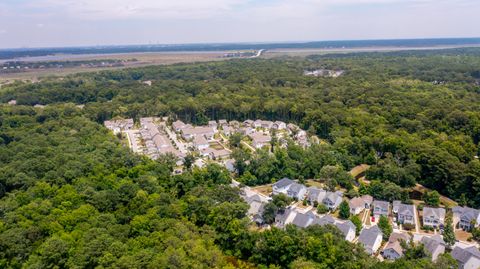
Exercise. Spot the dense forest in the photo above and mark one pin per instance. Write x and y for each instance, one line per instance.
(73, 196)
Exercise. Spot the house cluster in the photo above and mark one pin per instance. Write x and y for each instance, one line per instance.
(313, 195)
(303, 219)
(118, 126)
(323, 73)
(434, 245)
(202, 138)
(370, 237)
(155, 141)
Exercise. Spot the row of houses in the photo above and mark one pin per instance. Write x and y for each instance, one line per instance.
(371, 238)
(468, 257)
(463, 217)
(313, 195)
(156, 143)
(118, 126)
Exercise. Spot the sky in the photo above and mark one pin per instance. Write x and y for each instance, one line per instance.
(58, 23)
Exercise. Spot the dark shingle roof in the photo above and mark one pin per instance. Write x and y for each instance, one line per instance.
(464, 254)
(283, 183)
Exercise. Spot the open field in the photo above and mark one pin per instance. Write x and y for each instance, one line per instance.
(142, 59)
(166, 58)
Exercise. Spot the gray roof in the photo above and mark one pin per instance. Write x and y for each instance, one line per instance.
(404, 209)
(381, 204)
(399, 236)
(296, 188)
(346, 227)
(334, 197)
(327, 219)
(466, 212)
(302, 220)
(282, 183)
(464, 254)
(438, 213)
(314, 193)
(283, 217)
(369, 235)
(432, 243)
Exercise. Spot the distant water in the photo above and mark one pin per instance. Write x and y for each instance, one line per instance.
(56, 53)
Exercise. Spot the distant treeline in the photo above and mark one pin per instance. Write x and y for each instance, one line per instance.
(34, 52)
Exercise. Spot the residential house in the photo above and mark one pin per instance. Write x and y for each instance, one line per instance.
(213, 125)
(260, 140)
(223, 123)
(227, 130)
(464, 216)
(395, 205)
(234, 124)
(292, 127)
(348, 229)
(220, 154)
(358, 204)
(190, 133)
(282, 186)
(257, 124)
(315, 195)
(393, 250)
(178, 125)
(246, 130)
(325, 220)
(200, 142)
(467, 258)
(434, 217)
(118, 126)
(248, 123)
(371, 239)
(284, 218)
(230, 165)
(333, 199)
(303, 220)
(279, 125)
(406, 214)
(434, 245)
(256, 207)
(380, 208)
(297, 191)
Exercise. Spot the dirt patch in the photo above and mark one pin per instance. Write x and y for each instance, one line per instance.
(313, 183)
(462, 235)
(265, 189)
(359, 170)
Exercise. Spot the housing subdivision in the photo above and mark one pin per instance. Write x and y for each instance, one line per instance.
(154, 136)
(410, 223)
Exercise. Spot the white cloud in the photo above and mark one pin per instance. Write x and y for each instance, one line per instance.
(141, 9)
(3, 31)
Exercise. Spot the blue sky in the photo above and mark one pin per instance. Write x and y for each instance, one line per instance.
(41, 23)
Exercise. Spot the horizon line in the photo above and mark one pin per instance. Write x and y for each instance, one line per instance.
(234, 43)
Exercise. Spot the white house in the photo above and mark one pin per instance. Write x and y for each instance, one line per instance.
(433, 217)
(348, 229)
(282, 186)
(297, 191)
(406, 214)
(463, 217)
(358, 204)
(200, 142)
(333, 199)
(467, 258)
(434, 245)
(371, 239)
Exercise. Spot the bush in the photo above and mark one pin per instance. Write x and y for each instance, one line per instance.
(322, 209)
(408, 226)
